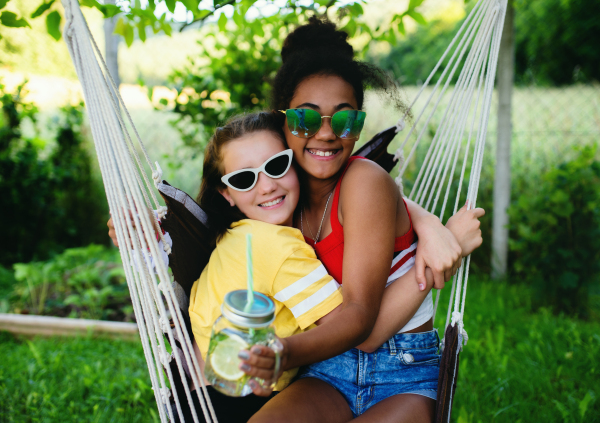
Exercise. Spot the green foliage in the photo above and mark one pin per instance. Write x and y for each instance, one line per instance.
(50, 203)
(53, 25)
(414, 57)
(557, 41)
(523, 364)
(233, 74)
(74, 380)
(138, 18)
(234, 80)
(555, 44)
(84, 282)
(556, 227)
(10, 19)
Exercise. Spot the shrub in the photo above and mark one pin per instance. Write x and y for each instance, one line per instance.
(48, 204)
(557, 227)
(84, 282)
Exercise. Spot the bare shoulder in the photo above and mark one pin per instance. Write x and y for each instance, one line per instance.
(365, 177)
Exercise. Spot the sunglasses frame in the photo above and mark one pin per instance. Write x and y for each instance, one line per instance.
(330, 117)
(289, 153)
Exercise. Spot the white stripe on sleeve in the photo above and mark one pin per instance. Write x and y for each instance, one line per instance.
(315, 299)
(301, 284)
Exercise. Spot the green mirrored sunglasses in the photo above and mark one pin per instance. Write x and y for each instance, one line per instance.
(305, 123)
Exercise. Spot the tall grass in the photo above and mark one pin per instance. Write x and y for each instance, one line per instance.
(524, 366)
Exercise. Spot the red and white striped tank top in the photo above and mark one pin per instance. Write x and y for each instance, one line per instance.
(331, 249)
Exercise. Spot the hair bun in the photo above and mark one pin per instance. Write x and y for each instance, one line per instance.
(320, 35)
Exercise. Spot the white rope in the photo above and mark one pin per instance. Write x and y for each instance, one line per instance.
(462, 131)
(129, 193)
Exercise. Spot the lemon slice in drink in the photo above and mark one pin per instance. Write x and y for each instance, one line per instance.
(224, 358)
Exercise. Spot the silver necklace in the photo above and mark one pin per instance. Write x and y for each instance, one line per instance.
(320, 226)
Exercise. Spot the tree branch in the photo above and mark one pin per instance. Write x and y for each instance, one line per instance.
(212, 12)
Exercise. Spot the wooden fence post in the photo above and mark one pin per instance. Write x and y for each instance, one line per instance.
(506, 63)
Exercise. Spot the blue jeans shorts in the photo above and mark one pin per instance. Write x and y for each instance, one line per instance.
(408, 363)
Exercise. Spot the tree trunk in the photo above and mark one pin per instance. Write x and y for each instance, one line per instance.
(111, 41)
(506, 62)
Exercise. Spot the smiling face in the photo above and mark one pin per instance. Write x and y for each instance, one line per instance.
(324, 154)
(271, 200)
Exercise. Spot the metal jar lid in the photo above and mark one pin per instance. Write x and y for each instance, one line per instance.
(261, 314)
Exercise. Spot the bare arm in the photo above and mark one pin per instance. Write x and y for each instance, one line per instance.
(400, 302)
(402, 299)
(438, 247)
(366, 268)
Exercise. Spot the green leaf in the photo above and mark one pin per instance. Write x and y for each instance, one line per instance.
(355, 9)
(11, 20)
(420, 19)
(171, 5)
(190, 5)
(141, 25)
(583, 405)
(128, 35)
(414, 3)
(53, 25)
(222, 22)
(257, 28)
(166, 28)
(238, 18)
(3, 3)
(390, 37)
(120, 27)
(401, 28)
(90, 3)
(41, 8)
(109, 10)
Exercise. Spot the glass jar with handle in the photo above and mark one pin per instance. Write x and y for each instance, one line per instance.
(241, 325)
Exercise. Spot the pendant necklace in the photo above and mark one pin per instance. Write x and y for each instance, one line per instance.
(320, 226)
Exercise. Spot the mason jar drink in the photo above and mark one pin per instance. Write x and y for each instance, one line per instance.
(238, 328)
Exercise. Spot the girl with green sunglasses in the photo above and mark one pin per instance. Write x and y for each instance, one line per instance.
(364, 237)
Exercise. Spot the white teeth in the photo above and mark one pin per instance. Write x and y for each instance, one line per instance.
(272, 203)
(322, 153)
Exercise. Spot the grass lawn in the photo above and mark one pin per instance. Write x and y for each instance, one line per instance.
(519, 365)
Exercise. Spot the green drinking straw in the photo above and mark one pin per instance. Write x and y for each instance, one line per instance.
(250, 294)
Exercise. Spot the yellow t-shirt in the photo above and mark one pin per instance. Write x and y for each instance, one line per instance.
(286, 269)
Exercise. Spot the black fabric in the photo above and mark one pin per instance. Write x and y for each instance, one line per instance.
(228, 409)
(191, 247)
(448, 376)
(376, 149)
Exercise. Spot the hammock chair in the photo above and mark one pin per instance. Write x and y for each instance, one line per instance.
(160, 305)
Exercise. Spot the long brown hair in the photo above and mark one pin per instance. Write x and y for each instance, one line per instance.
(220, 213)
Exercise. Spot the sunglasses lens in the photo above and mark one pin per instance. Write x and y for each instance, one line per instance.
(303, 123)
(276, 167)
(348, 123)
(242, 180)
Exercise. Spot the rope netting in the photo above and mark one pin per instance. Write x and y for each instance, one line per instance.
(131, 200)
(460, 137)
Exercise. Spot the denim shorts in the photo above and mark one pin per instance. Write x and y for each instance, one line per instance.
(408, 363)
